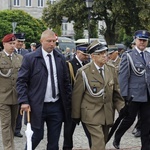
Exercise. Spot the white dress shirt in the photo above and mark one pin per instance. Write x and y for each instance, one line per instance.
(97, 67)
(48, 94)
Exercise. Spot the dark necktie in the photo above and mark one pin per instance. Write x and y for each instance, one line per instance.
(83, 63)
(101, 73)
(19, 51)
(142, 54)
(10, 57)
(52, 77)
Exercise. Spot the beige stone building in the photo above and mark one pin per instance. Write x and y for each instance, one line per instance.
(35, 9)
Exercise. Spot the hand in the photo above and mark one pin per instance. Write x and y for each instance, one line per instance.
(126, 100)
(76, 120)
(25, 107)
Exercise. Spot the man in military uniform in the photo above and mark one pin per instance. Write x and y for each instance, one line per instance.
(134, 75)
(80, 59)
(113, 56)
(20, 39)
(95, 94)
(9, 66)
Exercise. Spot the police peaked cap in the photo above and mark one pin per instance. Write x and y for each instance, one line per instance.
(20, 36)
(142, 34)
(82, 47)
(96, 47)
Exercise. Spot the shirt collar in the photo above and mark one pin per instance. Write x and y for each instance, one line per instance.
(139, 51)
(97, 67)
(44, 53)
(116, 59)
(7, 53)
(78, 60)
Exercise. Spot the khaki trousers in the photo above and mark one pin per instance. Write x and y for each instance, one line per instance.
(99, 134)
(8, 115)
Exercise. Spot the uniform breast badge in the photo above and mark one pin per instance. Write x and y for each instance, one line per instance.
(94, 90)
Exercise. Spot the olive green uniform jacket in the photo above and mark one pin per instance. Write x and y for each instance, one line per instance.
(8, 94)
(96, 110)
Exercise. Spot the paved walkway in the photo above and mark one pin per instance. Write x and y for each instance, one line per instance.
(129, 142)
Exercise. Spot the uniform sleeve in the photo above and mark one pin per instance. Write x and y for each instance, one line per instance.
(124, 72)
(117, 98)
(77, 95)
(22, 81)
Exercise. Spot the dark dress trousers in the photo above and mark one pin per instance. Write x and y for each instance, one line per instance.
(19, 117)
(31, 88)
(133, 84)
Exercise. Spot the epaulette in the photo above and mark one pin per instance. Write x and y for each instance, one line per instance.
(128, 51)
(84, 67)
(110, 64)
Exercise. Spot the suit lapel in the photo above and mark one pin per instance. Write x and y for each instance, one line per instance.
(58, 63)
(38, 53)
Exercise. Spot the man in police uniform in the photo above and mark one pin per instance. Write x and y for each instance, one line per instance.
(9, 66)
(80, 59)
(134, 75)
(20, 39)
(95, 94)
(113, 56)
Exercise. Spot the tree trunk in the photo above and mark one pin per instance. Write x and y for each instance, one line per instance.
(110, 37)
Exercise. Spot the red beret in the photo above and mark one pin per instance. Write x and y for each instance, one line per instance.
(9, 38)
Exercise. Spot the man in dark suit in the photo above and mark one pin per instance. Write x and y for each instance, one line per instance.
(43, 87)
(134, 75)
(20, 39)
(80, 59)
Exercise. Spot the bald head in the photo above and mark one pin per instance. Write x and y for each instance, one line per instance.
(47, 33)
(48, 40)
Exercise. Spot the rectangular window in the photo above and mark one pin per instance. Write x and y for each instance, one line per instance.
(28, 2)
(40, 3)
(52, 1)
(16, 2)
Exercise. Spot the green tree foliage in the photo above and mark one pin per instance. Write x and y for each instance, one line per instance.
(74, 10)
(121, 17)
(25, 23)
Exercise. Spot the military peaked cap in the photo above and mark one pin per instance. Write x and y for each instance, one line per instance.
(96, 47)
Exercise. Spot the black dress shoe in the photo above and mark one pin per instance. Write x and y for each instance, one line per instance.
(18, 135)
(137, 133)
(116, 144)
